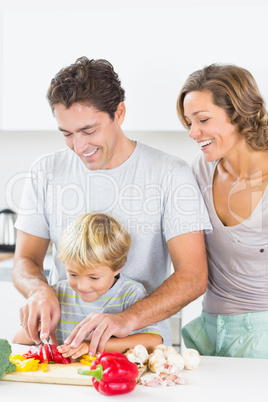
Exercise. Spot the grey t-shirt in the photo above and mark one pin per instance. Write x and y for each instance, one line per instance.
(123, 294)
(237, 255)
(153, 194)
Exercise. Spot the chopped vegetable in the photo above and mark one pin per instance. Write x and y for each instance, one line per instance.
(44, 367)
(27, 365)
(16, 359)
(112, 373)
(55, 356)
(6, 366)
(87, 360)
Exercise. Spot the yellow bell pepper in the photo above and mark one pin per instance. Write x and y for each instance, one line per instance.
(17, 359)
(27, 365)
(44, 367)
(87, 360)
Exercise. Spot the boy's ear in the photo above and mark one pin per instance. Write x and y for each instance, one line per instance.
(117, 272)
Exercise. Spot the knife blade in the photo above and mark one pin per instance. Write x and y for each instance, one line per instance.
(46, 358)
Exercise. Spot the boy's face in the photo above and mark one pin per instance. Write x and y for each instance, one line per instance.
(91, 283)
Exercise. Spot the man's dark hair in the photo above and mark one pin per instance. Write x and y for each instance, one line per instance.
(90, 82)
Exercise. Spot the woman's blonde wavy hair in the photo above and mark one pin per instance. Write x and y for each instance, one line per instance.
(95, 239)
(235, 90)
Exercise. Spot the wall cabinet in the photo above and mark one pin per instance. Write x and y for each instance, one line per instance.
(152, 47)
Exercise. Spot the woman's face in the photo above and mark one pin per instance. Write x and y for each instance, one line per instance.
(210, 126)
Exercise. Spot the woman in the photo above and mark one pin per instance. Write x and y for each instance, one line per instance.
(226, 115)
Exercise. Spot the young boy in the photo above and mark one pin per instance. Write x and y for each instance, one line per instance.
(94, 250)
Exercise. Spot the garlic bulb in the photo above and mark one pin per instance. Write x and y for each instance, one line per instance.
(169, 350)
(191, 359)
(138, 355)
(141, 352)
(157, 363)
(160, 347)
(158, 352)
(176, 363)
(166, 350)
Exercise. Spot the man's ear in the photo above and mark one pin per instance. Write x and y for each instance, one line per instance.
(119, 115)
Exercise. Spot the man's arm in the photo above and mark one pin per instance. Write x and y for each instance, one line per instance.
(41, 309)
(187, 283)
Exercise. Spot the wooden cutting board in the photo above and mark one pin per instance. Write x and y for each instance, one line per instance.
(56, 374)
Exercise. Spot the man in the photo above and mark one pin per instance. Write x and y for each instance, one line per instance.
(152, 193)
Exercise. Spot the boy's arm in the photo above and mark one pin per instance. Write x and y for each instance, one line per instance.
(21, 338)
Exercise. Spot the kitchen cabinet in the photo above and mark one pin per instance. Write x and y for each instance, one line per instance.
(153, 46)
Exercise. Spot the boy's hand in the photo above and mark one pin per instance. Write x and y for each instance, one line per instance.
(74, 353)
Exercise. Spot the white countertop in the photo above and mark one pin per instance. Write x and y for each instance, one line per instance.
(217, 379)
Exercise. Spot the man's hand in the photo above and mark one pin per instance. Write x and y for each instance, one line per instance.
(41, 312)
(98, 328)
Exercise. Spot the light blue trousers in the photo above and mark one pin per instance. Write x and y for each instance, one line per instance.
(242, 335)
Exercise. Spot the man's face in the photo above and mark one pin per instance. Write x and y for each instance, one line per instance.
(92, 134)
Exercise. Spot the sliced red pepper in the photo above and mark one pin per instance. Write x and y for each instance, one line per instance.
(54, 356)
(57, 356)
(113, 374)
(33, 352)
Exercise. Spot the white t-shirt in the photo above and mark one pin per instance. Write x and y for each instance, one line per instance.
(237, 255)
(153, 194)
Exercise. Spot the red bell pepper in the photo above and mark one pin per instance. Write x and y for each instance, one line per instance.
(112, 373)
(55, 356)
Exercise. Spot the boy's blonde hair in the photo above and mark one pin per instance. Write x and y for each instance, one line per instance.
(95, 239)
